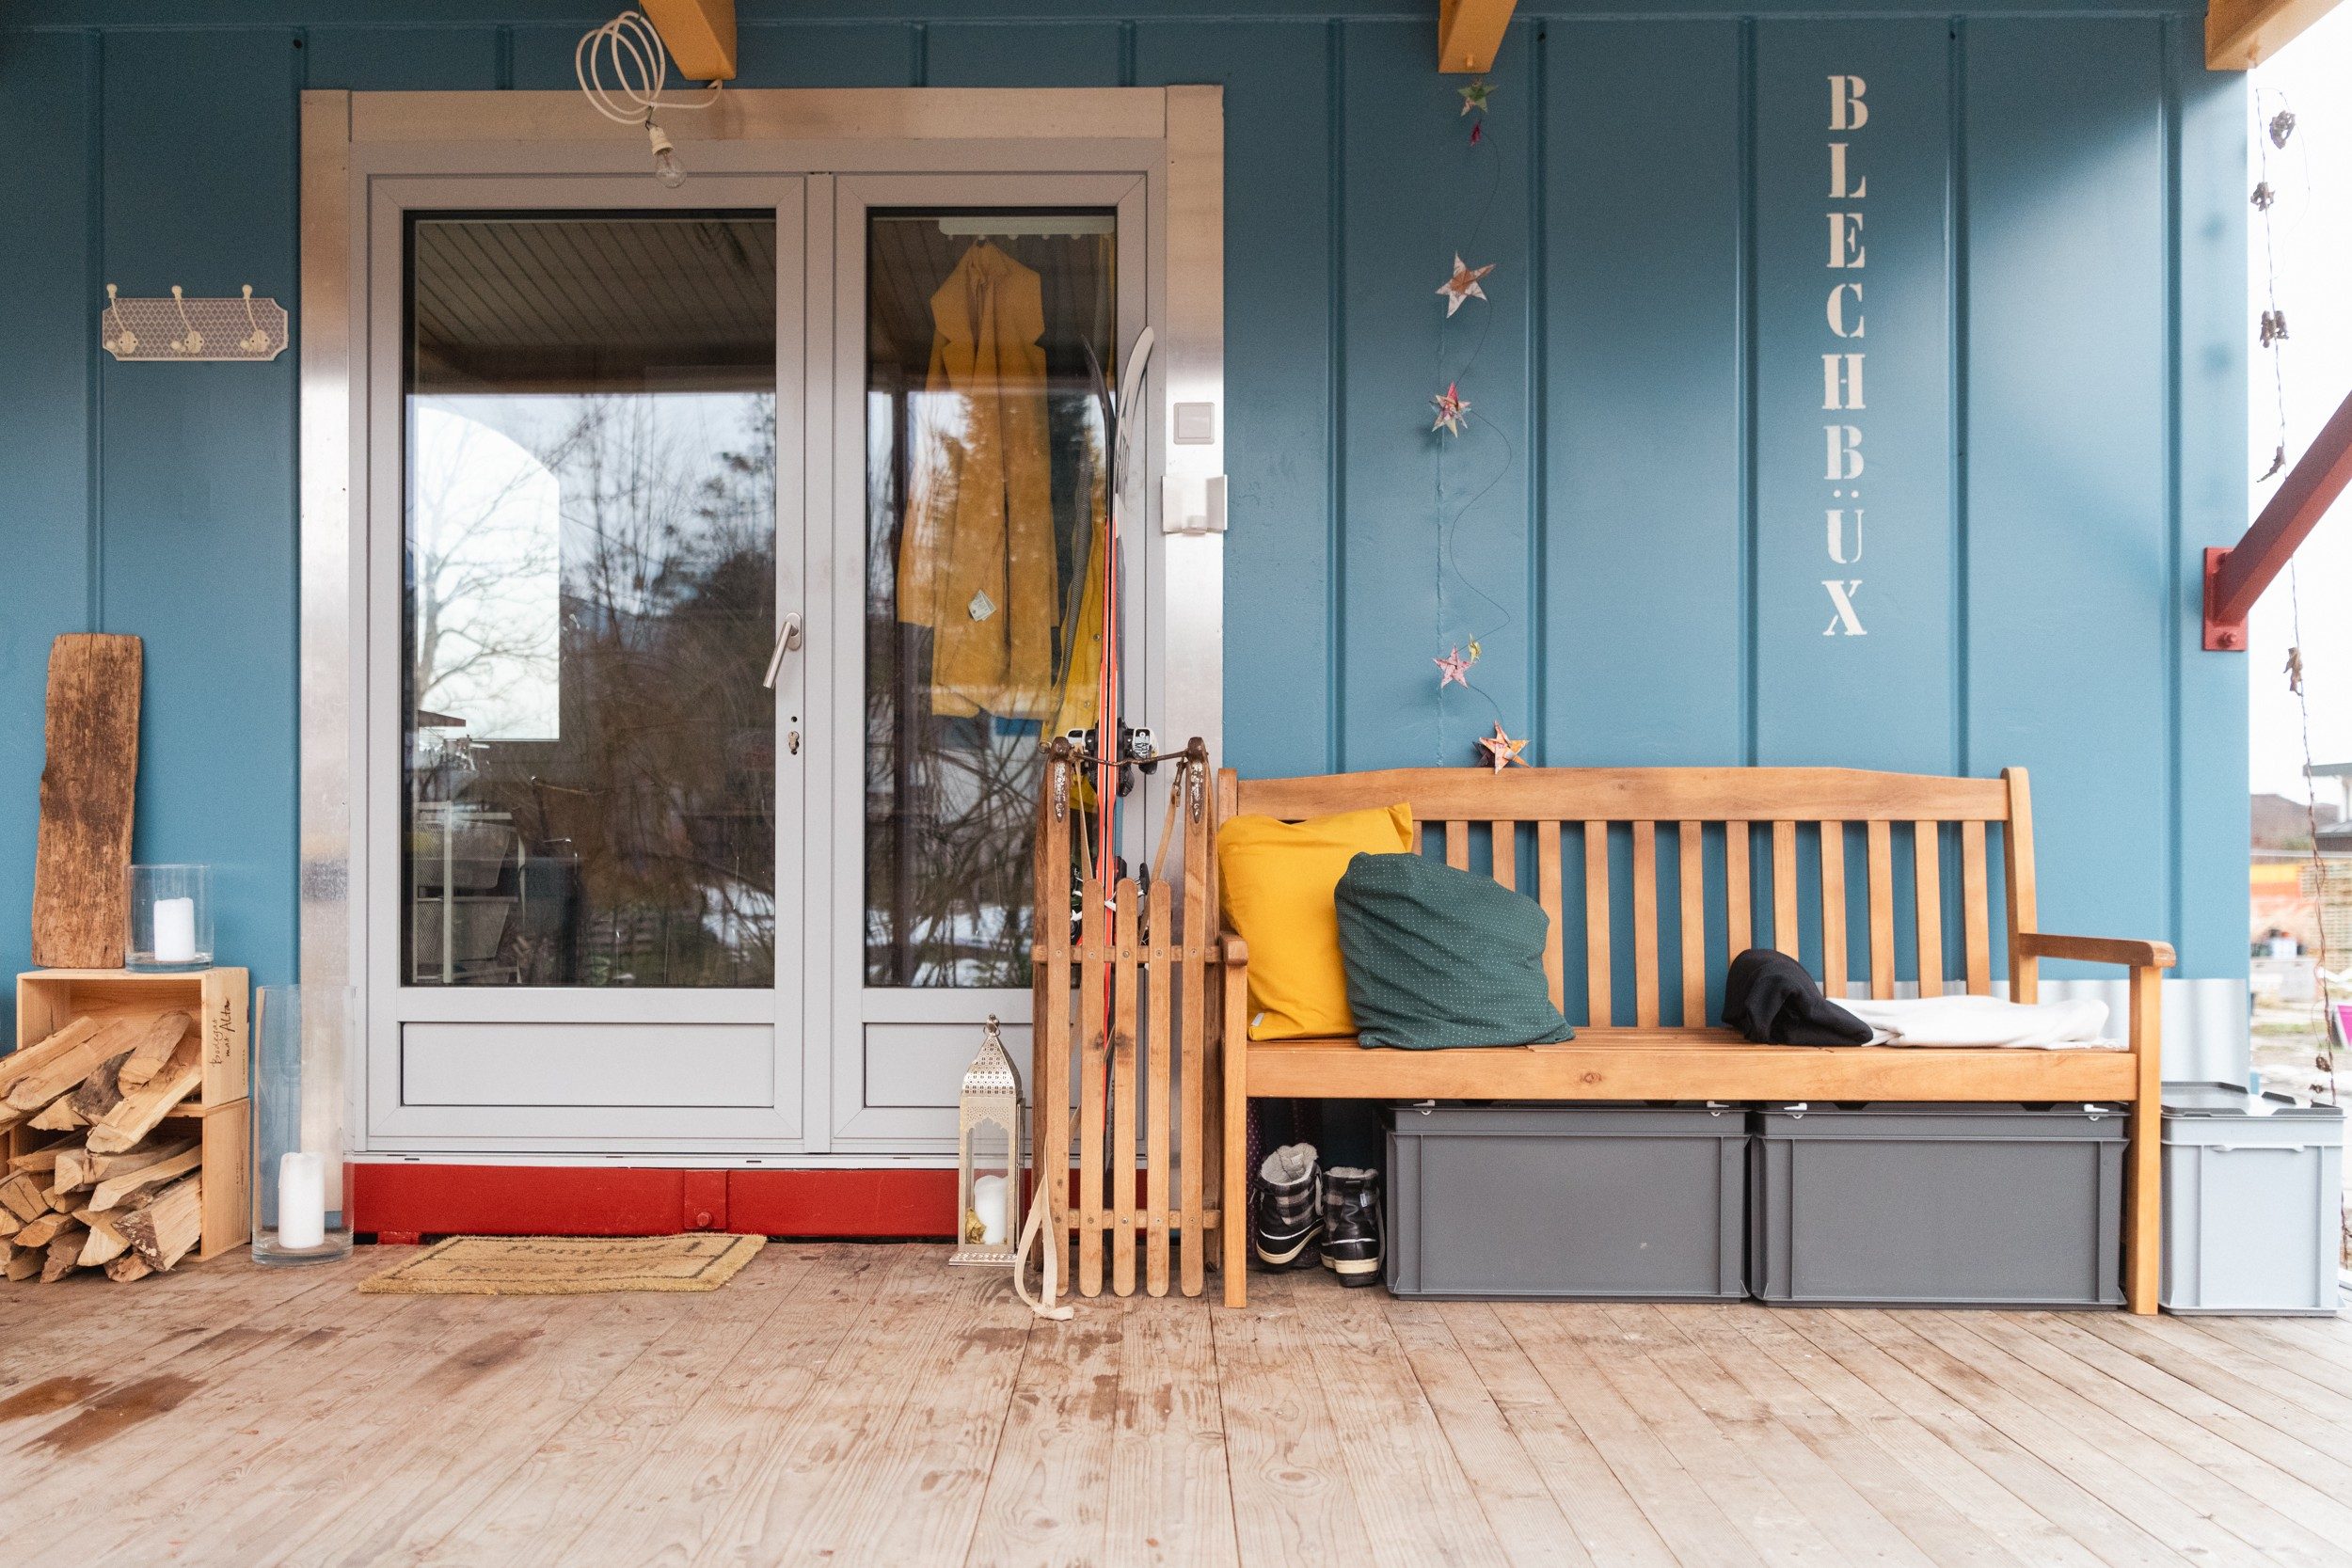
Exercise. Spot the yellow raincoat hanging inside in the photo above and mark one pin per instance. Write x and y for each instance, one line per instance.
(977, 563)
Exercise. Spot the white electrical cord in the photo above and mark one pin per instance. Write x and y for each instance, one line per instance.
(639, 65)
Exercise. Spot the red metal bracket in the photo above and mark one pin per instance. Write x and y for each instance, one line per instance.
(2235, 578)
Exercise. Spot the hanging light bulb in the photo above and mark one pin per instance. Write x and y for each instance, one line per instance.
(666, 166)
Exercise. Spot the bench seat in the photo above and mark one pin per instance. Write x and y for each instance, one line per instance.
(1678, 1064)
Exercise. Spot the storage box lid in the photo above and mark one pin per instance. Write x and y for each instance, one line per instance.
(2232, 1100)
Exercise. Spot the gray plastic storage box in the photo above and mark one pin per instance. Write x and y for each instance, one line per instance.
(1633, 1202)
(1890, 1204)
(2253, 1201)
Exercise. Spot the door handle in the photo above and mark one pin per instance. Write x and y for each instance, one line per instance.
(787, 640)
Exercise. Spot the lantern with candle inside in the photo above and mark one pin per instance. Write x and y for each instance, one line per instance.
(988, 1157)
(171, 919)
(300, 1215)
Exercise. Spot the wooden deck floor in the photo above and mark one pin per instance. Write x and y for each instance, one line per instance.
(863, 1405)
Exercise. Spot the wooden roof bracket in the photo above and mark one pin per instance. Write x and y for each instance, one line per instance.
(1468, 33)
(2241, 34)
(2235, 578)
(699, 35)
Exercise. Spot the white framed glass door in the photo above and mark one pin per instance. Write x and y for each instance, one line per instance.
(585, 812)
(970, 515)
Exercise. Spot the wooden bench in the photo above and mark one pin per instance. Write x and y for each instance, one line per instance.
(1782, 850)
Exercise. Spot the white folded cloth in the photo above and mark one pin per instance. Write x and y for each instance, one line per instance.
(2079, 1025)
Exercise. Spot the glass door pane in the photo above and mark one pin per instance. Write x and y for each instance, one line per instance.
(589, 757)
(986, 493)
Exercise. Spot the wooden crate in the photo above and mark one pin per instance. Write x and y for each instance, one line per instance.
(220, 1113)
(48, 998)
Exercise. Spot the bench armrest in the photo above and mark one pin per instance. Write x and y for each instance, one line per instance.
(1236, 955)
(2099, 950)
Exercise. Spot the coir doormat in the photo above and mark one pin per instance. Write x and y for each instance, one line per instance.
(568, 1266)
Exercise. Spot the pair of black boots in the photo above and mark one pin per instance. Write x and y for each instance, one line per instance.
(1300, 1214)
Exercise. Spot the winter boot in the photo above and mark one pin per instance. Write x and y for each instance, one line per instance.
(1352, 1224)
(1283, 1220)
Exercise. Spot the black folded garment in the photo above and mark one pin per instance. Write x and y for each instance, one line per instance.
(1769, 997)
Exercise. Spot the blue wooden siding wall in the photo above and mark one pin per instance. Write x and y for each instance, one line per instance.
(2055, 383)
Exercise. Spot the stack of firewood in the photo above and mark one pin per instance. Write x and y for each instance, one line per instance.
(115, 1186)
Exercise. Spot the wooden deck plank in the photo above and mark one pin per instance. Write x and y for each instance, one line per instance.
(1292, 1501)
(2278, 1396)
(2090, 1524)
(2182, 1508)
(1410, 1492)
(1171, 1500)
(913, 1407)
(1046, 1504)
(1675, 1506)
(1509, 1489)
(1776, 1528)
(1820, 1492)
(544, 1505)
(674, 1507)
(2278, 1472)
(1608, 1523)
(1883, 1474)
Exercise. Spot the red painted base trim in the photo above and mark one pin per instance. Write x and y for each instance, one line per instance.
(595, 1201)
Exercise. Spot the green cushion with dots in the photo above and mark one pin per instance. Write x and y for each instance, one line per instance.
(1440, 958)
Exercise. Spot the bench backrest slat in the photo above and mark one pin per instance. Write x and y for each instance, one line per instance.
(1683, 866)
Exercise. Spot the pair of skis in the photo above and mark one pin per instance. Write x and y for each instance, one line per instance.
(1111, 736)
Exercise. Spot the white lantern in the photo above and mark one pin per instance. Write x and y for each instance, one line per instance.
(988, 1200)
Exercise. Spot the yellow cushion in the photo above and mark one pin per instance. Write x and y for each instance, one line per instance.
(1276, 881)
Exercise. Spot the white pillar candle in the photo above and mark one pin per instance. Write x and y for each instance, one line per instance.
(301, 1201)
(175, 930)
(988, 1201)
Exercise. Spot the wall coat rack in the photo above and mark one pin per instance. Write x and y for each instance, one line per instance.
(184, 328)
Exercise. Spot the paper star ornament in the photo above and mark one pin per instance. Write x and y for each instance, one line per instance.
(1474, 97)
(1501, 750)
(1453, 669)
(1451, 407)
(1463, 284)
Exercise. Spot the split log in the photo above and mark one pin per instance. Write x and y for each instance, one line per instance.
(26, 1058)
(129, 1266)
(65, 1254)
(110, 1193)
(45, 1157)
(63, 1072)
(161, 1038)
(25, 1262)
(102, 1091)
(9, 1225)
(127, 1123)
(59, 1115)
(95, 1169)
(62, 1200)
(38, 1233)
(164, 1230)
(21, 1194)
(106, 1240)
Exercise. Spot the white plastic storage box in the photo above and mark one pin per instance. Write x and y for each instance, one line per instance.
(1913, 1205)
(2253, 1201)
(1598, 1202)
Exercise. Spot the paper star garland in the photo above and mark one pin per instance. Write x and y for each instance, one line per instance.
(1474, 97)
(1451, 407)
(1454, 668)
(1463, 285)
(1503, 750)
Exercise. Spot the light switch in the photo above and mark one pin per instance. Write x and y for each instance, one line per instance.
(1196, 424)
